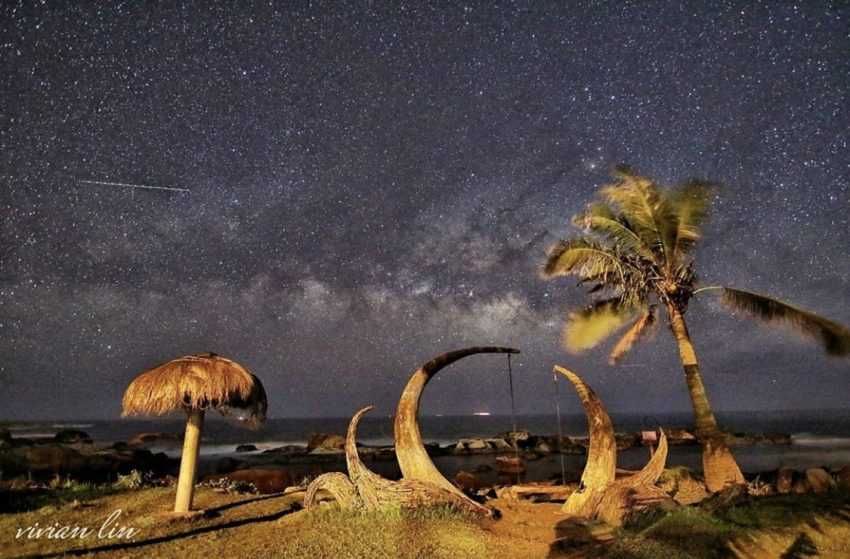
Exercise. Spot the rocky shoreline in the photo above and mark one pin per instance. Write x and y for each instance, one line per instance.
(74, 454)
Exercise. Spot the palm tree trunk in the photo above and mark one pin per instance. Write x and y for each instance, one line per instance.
(718, 464)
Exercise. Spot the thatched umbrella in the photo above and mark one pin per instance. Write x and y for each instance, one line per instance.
(194, 384)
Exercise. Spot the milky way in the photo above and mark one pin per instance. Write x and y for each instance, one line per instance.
(373, 186)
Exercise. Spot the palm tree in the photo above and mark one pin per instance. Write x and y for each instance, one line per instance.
(636, 256)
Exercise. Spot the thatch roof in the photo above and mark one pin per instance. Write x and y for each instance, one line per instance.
(204, 381)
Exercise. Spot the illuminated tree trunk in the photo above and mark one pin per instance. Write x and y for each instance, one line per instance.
(718, 464)
(189, 461)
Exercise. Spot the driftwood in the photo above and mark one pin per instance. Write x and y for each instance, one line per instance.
(600, 494)
(536, 490)
(363, 489)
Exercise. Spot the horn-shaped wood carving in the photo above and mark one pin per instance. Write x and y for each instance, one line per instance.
(600, 495)
(412, 458)
(364, 489)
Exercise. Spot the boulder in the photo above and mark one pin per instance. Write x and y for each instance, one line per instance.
(800, 486)
(147, 439)
(5, 437)
(819, 480)
(677, 436)
(266, 480)
(467, 481)
(843, 477)
(226, 465)
(246, 448)
(521, 439)
(784, 480)
(499, 444)
(53, 459)
(71, 436)
(325, 442)
(542, 447)
(471, 446)
(288, 450)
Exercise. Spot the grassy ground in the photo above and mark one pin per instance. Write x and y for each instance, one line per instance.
(272, 526)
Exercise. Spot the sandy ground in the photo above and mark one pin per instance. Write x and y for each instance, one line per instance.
(273, 526)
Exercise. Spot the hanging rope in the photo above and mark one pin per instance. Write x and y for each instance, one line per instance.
(560, 433)
(511, 384)
(513, 414)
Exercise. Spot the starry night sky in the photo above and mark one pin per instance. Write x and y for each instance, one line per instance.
(374, 185)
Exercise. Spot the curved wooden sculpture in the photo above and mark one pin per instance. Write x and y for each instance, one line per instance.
(364, 489)
(412, 458)
(600, 494)
(339, 487)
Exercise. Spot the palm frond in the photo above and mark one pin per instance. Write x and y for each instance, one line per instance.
(587, 328)
(637, 331)
(601, 220)
(584, 258)
(645, 208)
(834, 337)
(690, 204)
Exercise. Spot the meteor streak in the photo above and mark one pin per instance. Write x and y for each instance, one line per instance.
(143, 186)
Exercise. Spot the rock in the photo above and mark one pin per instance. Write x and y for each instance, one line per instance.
(471, 446)
(843, 477)
(801, 486)
(510, 465)
(5, 437)
(246, 448)
(71, 436)
(288, 450)
(265, 480)
(120, 445)
(747, 439)
(53, 459)
(467, 481)
(784, 480)
(147, 439)
(819, 480)
(627, 440)
(226, 465)
(474, 444)
(677, 436)
(499, 444)
(542, 447)
(521, 439)
(325, 442)
(776, 438)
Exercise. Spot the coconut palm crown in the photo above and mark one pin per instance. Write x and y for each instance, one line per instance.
(636, 255)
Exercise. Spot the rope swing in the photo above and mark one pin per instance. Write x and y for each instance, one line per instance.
(514, 465)
(560, 431)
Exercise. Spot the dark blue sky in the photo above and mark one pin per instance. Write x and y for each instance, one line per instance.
(373, 186)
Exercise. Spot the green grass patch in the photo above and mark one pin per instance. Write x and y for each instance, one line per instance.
(57, 494)
(695, 532)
